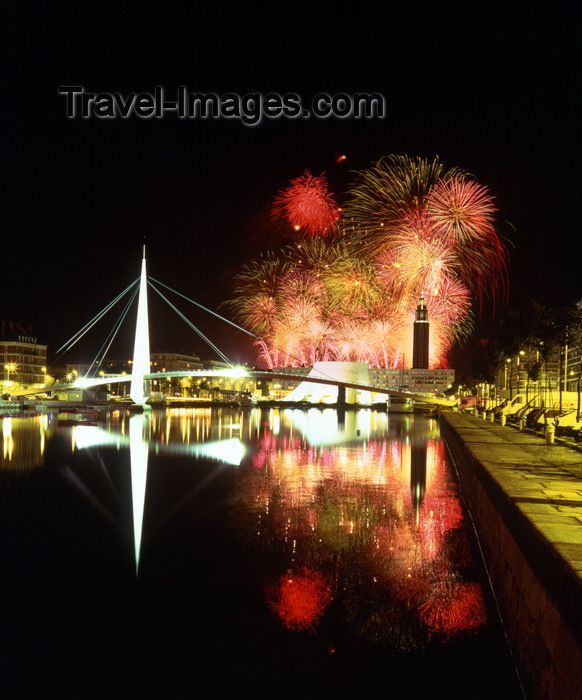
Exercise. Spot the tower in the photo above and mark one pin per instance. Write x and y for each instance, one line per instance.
(420, 337)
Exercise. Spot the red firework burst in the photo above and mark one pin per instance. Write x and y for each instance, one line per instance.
(300, 599)
(308, 205)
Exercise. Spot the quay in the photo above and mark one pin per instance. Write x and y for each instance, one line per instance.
(524, 496)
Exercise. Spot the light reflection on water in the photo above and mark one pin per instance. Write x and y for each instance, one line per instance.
(319, 493)
(352, 525)
(368, 506)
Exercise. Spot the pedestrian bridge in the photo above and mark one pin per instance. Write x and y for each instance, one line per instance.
(331, 374)
(237, 373)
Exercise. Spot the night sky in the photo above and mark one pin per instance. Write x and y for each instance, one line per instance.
(492, 89)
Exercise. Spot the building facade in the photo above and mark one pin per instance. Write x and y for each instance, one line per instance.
(422, 381)
(527, 373)
(572, 368)
(23, 358)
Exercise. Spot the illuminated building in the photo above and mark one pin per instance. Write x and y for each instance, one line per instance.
(424, 381)
(572, 368)
(174, 362)
(23, 358)
(551, 380)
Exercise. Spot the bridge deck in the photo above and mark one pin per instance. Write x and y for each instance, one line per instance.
(237, 372)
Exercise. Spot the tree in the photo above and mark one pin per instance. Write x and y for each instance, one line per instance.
(539, 329)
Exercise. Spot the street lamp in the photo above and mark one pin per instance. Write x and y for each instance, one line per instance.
(10, 367)
(519, 357)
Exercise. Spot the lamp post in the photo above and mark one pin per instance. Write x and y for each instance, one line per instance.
(10, 367)
(519, 357)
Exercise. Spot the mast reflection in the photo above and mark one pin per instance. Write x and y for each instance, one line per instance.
(180, 433)
(157, 433)
(139, 451)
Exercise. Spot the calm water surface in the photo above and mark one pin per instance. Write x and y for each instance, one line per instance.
(223, 553)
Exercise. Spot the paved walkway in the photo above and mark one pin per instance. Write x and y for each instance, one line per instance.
(544, 481)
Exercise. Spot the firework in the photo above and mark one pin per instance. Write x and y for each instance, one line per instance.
(461, 210)
(413, 230)
(318, 254)
(296, 284)
(352, 286)
(462, 213)
(307, 205)
(416, 259)
(254, 302)
(387, 191)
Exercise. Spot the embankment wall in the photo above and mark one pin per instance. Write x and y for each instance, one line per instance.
(539, 594)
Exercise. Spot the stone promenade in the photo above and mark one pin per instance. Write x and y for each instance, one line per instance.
(525, 497)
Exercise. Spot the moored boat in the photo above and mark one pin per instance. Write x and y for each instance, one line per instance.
(79, 417)
(400, 404)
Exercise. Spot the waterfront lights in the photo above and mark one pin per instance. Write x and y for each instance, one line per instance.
(82, 382)
(236, 372)
(10, 367)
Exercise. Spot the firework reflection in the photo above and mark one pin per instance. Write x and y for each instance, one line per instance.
(373, 522)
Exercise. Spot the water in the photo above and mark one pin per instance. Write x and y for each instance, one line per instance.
(223, 553)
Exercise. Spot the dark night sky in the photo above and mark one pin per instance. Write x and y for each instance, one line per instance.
(492, 91)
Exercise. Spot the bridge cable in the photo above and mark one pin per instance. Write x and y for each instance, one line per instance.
(192, 326)
(75, 338)
(240, 328)
(106, 345)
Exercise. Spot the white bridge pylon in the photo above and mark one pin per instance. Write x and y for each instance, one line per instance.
(138, 392)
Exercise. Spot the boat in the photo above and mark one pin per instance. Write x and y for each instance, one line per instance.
(246, 398)
(74, 417)
(400, 404)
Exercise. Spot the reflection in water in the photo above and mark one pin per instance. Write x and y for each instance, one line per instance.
(139, 449)
(371, 520)
(300, 598)
(27, 449)
(188, 433)
(324, 427)
(358, 514)
(171, 433)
